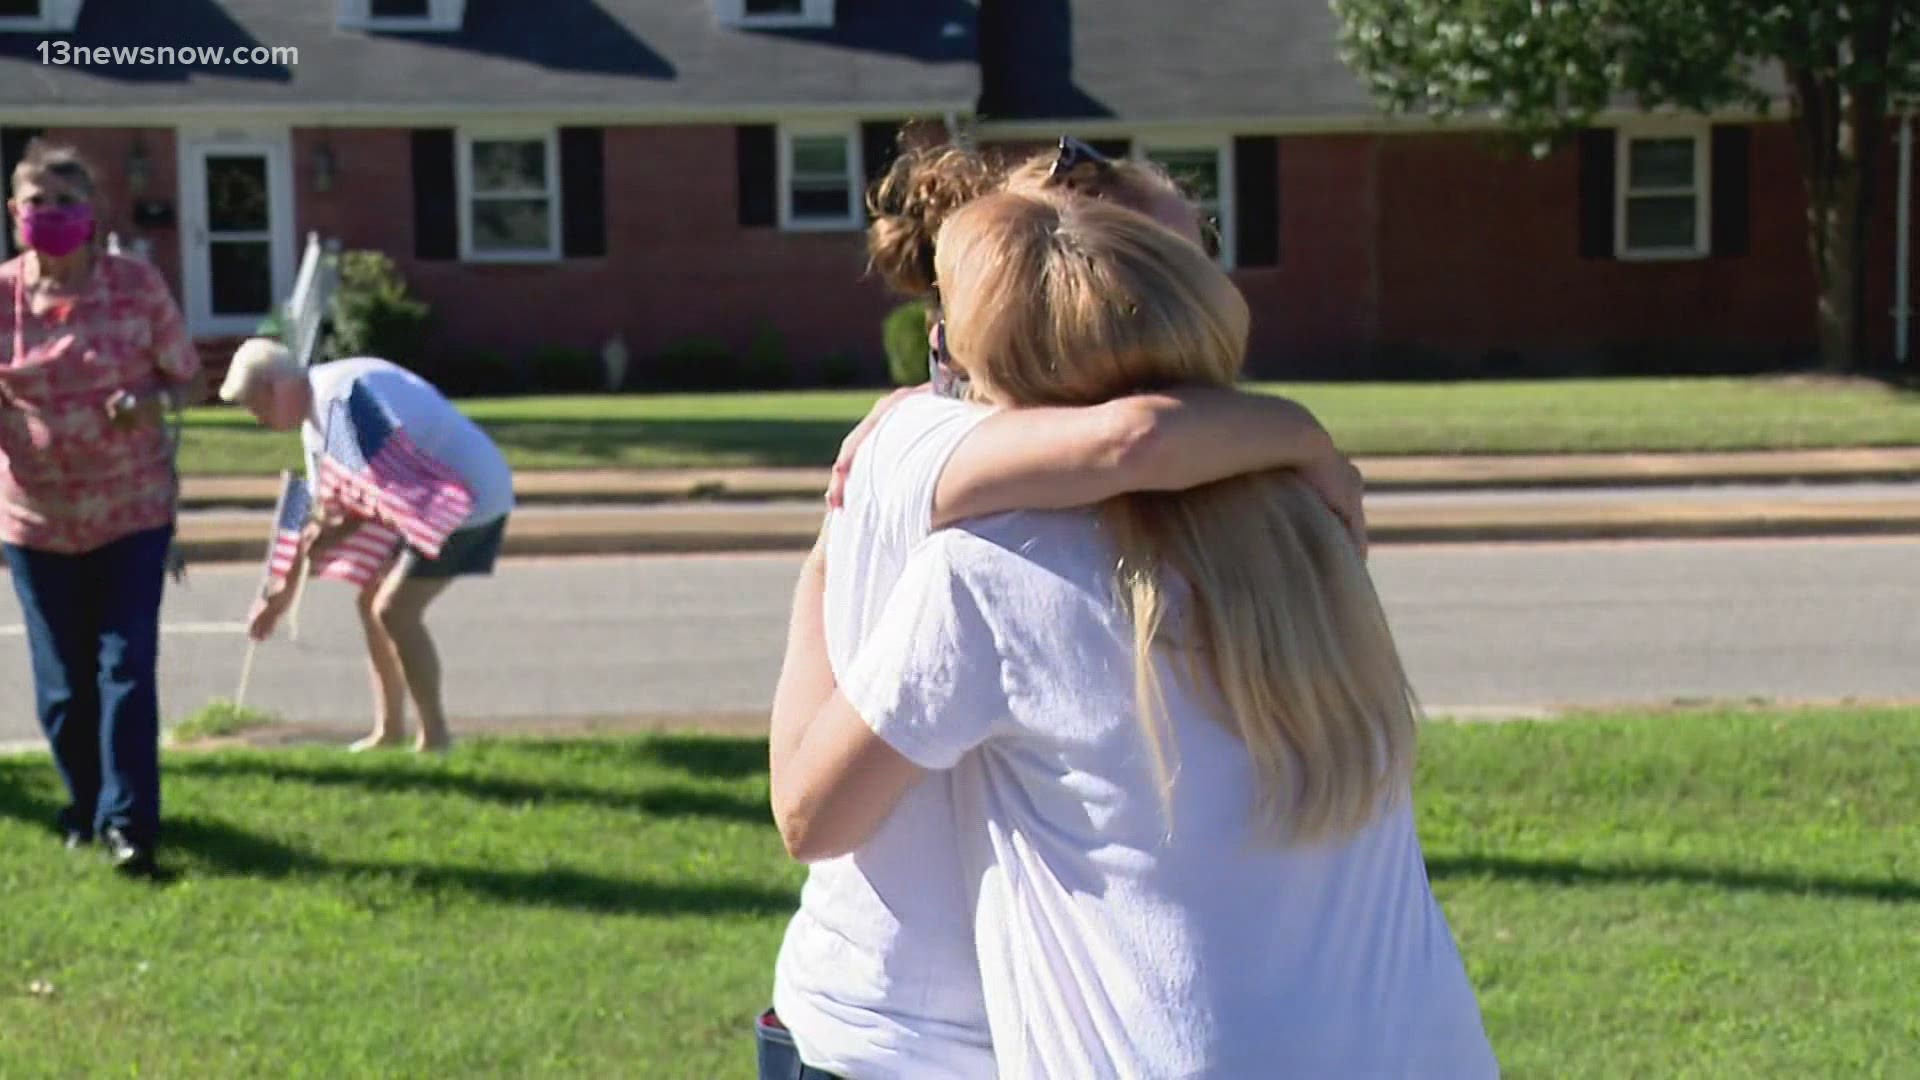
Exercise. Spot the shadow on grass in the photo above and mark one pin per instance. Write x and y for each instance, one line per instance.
(706, 757)
(611, 442)
(717, 759)
(226, 850)
(20, 784)
(1571, 873)
(658, 801)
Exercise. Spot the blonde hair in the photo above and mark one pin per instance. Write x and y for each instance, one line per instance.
(1250, 581)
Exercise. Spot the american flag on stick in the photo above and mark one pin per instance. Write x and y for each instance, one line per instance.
(370, 468)
(357, 559)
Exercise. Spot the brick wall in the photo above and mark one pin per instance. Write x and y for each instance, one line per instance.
(1479, 250)
(678, 264)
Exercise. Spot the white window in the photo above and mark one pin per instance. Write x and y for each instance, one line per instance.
(775, 14)
(1204, 170)
(820, 178)
(510, 196)
(443, 15)
(1661, 187)
(56, 15)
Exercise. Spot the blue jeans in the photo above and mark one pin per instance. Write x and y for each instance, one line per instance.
(93, 627)
(779, 1058)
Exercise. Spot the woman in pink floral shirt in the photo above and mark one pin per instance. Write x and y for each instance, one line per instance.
(95, 353)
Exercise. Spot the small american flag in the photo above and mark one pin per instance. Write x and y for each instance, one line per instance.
(370, 468)
(357, 559)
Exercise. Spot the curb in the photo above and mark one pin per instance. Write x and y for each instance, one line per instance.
(1383, 475)
(778, 529)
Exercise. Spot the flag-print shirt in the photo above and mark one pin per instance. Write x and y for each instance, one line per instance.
(69, 481)
(435, 425)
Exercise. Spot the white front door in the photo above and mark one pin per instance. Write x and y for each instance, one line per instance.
(237, 228)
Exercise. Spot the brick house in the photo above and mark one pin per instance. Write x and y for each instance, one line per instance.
(553, 173)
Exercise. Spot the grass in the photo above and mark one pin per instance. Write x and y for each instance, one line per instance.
(805, 428)
(1709, 894)
(220, 717)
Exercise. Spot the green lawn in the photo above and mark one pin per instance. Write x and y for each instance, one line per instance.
(1708, 894)
(1369, 418)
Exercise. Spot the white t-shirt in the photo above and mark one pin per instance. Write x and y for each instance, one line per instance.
(430, 420)
(877, 978)
(1004, 658)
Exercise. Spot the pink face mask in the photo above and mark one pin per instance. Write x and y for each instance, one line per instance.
(56, 230)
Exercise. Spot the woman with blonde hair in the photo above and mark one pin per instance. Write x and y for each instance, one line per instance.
(877, 976)
(1176, 732)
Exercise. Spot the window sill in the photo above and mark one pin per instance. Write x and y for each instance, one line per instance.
(510, 258)
(1668, 255)
(780, 22)
(400, 26)
(823, 225)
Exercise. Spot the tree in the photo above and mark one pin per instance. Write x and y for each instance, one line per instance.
(1545, 68)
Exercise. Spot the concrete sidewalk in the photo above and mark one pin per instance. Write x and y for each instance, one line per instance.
(1396, 474)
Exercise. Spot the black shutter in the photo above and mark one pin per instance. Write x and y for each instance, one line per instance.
(879, 146)
(1597, 149)
(436, 195)
(1256, 201)
(583, 193)
(13, 147)
(1113, 148)
(757, 148)
(1732, 223)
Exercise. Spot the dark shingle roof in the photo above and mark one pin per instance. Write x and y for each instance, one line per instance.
(645, 54)
(1166, 60)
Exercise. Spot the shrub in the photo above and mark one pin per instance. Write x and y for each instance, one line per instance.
(764, 366)
(693, 364)
(841, 369)
(560, 369)
(905, 335)
(274, 326)
(372, 313)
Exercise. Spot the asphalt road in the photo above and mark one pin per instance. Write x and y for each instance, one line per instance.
(1489, 627)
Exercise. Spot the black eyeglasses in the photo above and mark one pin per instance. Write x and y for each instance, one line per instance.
(1076, 161)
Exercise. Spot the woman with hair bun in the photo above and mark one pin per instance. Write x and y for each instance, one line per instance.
(877, 976)
(1172, 733)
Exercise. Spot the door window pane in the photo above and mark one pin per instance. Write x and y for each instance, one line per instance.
(242, 276)
(237, 193)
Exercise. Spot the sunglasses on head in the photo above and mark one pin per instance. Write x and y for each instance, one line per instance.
(1077, 161)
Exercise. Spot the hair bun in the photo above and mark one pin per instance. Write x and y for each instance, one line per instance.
(910, 203)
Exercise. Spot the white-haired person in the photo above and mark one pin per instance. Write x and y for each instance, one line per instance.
(1174, 730)
(383, 448)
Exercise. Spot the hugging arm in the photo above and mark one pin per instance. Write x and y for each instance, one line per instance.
(922, 693)
(1051, 458)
